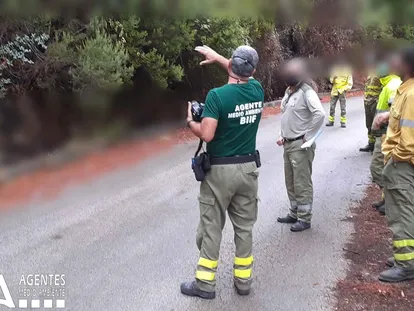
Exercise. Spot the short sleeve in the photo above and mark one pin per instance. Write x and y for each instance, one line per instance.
(212, 106)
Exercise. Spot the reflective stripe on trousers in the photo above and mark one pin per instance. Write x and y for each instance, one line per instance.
(399, 202)
(400, 246)
(242, 271)
(206, 269)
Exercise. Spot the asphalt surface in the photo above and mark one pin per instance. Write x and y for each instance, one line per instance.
(127, 240)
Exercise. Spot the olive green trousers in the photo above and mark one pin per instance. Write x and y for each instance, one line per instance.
(399, 208)
(334, 100)
(298, 179)
(377, 163)
(370, 105)
(233, 189)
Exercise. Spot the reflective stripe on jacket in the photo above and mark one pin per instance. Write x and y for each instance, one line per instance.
(373, 87)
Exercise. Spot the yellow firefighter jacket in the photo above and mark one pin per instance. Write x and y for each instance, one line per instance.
(341, 79)
(399, 141)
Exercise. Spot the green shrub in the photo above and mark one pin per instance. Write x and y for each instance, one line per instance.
(102, 64)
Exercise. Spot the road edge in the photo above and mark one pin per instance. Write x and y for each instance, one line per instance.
(45, 177)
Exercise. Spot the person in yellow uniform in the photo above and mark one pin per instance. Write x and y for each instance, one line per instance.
(390, 83)
(342, 82)
(398, 174)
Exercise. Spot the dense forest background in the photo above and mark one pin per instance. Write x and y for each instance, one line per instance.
(105, 68)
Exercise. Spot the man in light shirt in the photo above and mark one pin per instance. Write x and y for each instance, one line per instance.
(302, 118)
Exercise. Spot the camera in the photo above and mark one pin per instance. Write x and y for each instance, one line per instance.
(197, 110)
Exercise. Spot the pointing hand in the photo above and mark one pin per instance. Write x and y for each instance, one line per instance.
(210, 55)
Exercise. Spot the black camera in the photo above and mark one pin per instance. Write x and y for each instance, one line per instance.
(197, 110)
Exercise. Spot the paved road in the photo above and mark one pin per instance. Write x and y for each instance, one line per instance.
(126, 242)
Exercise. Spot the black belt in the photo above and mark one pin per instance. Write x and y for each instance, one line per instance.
(294, 139)
(233, 160)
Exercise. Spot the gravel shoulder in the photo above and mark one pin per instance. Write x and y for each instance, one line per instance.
(367, 251)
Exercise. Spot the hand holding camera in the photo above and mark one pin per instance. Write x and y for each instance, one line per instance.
(195, 111)
(200, 164)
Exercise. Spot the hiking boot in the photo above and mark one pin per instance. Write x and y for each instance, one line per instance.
(367, 148)
(378, 204)
(191, 289)
(329, 123)
(381, 210)
(390, 262)
(300, 226)
(287, 220)
(395, 275)
(343, 125)
(242, 292)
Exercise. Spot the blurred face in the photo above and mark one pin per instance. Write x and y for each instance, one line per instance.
(293, 72)
(383, 69)
(397, 66)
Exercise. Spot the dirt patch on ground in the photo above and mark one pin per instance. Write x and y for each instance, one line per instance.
(367, 251)
(47, 183)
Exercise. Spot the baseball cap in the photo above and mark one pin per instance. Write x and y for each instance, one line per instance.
(244, 61)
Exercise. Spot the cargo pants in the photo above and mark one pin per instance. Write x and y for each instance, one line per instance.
(399, 202)
(342, 101)
(377, 163)
(233, 189)
(370, 105)
(298, 178)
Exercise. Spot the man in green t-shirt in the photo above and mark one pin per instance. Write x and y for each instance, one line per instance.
(229, 126)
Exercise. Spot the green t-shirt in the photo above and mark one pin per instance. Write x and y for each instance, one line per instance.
(238, 109)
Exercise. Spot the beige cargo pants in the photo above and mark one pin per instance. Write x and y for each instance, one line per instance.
(233, 189)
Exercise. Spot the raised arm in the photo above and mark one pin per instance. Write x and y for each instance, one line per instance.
(212, 57)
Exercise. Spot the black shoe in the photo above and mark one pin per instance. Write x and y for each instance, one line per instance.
(390, 262)
(329, 124)
(287, 220)
(367, 148)
(300, 226)
(242, 292)
(343, 125)
(381, 210)
(191, 289)
(378, 204)
(395, 275)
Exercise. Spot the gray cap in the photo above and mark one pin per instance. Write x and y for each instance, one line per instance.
(243, 61)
